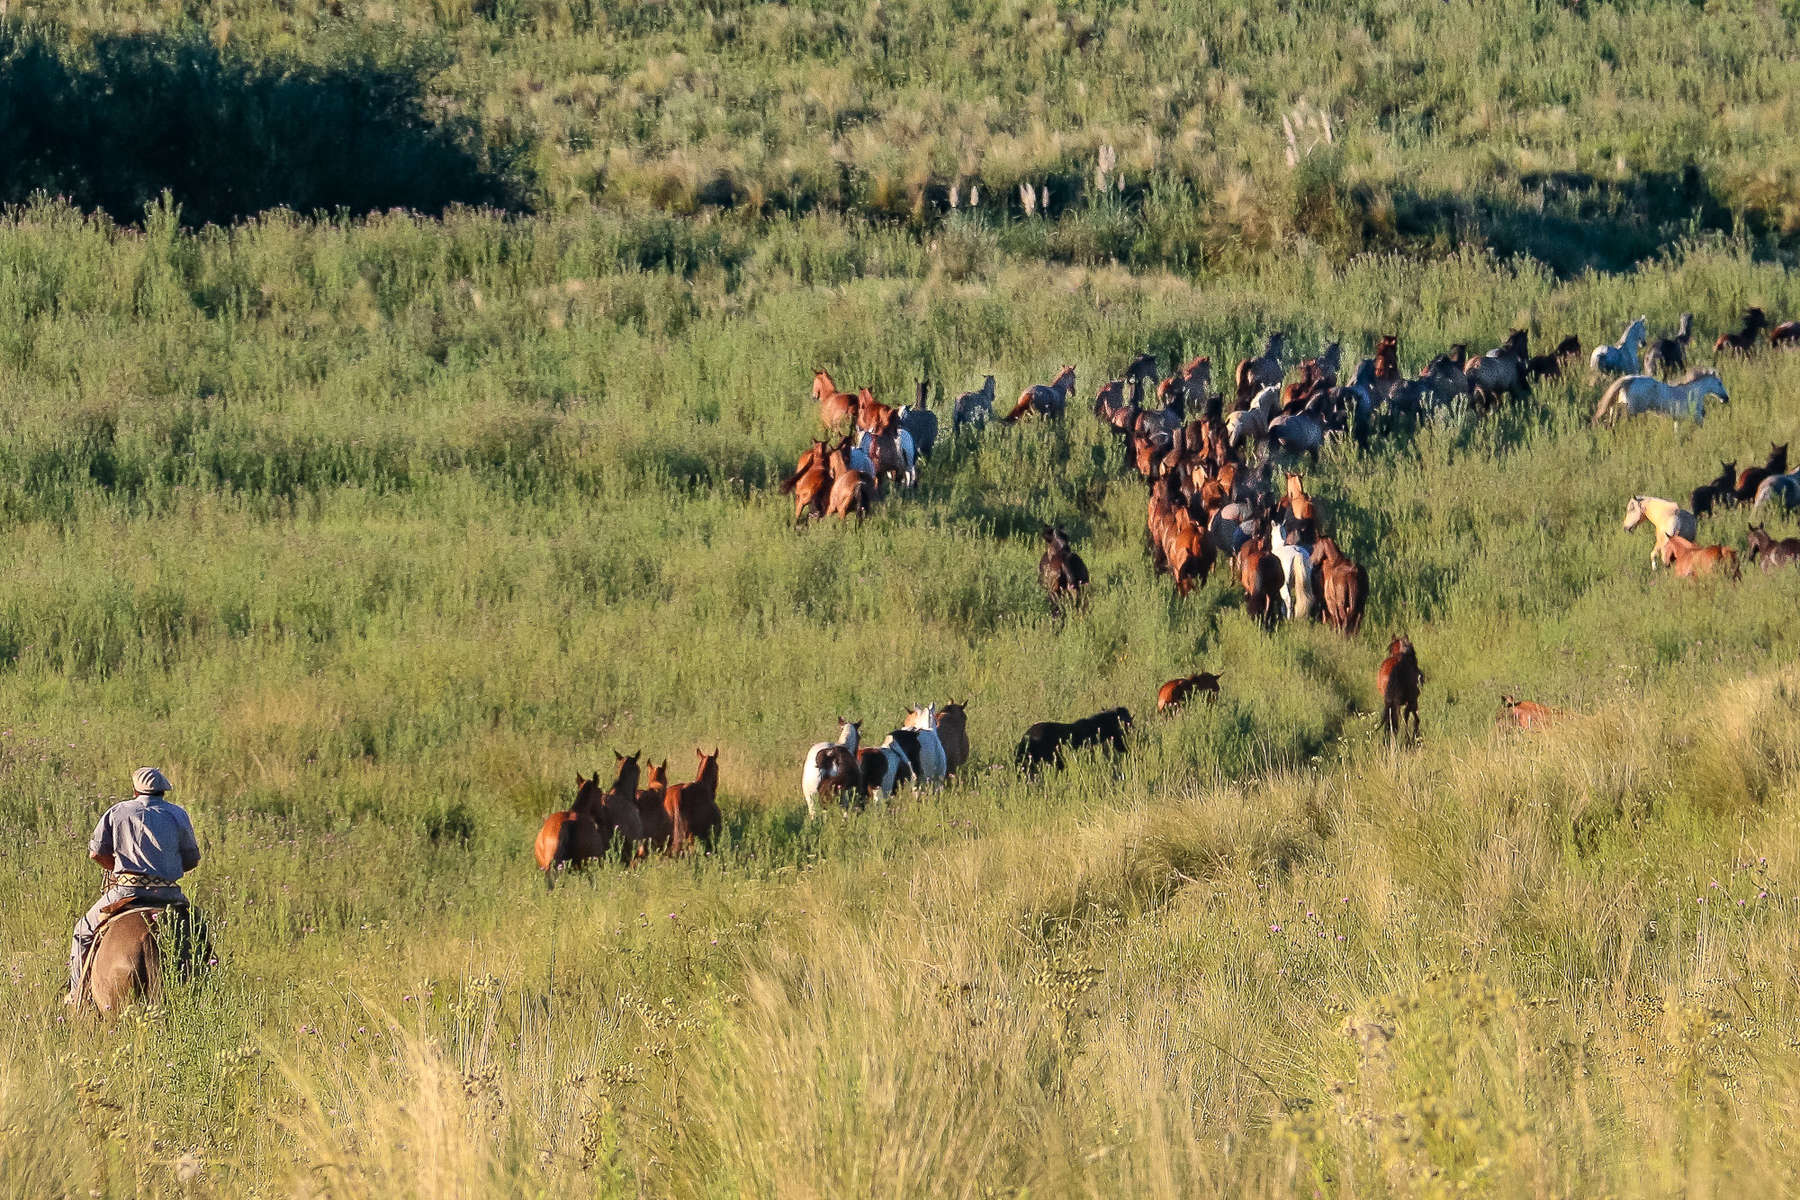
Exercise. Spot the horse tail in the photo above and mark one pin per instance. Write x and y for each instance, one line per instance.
(1608, 397)
(1019, 409)
(787, 485)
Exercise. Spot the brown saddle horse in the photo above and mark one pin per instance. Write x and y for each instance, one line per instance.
(142, 941)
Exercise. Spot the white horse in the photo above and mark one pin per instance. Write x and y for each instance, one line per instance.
(1668, 518)
(1252, 424)
(831, 763)
(1636, 394)
(931, 766)
(1296, 580)
(1622, 358)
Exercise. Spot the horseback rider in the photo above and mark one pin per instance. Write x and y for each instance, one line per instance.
(145, 845)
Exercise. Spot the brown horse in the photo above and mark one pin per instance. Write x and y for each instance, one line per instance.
(1343, 584)
(1770, 552)
(1550, 366)
(852, 491)
(1188, 551)
(595, 825)
(653, 820)
(836, 409)
(1387, 362)
(1259, 573)
(1750, 478)
(1744, 339)
(1060, 571)
(1690, 561)
(1265, 370)
(953, 732)
(1295, 499)
(872, 413)
(1046, 400)
(1173, 694)
(693, 808)
(1526, 714)
(1785, 334)
(1398, 680)
(127, 961)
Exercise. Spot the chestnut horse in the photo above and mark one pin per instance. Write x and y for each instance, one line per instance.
(595, 825)
(1751, 478)
(1047, 400)
(1343, 585)
(1690, 561)
(1398, 680)
(835, 408)
(1173, 694)
(653, 820)
(852, 491)
(693, 808)
(1526, 714)
(810, 484)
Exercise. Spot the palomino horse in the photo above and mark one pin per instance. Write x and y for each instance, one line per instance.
(974, 408)
(1744, 340)
(1342, 584)
(1046, 400)
(693, 808)
(953, 731)
(1060, 571)
(1636, 394)
(1265, 370)
(1770, 552)
(1666, 517)
(1689, 561)
(1667, 355)
(1751, 478)
(595, 825)
(1173, 694)
(831, 768)
(1621, 358)
(1398, 679)
(1526, 714)
(835, 408)
(128, 958)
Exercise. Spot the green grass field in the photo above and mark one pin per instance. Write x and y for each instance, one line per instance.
(374, 529)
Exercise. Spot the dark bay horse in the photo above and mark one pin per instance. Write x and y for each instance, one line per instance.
(693, 808)
(1398, 680)
(1046, 742)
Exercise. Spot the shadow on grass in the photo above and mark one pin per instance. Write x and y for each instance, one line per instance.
(112, 122)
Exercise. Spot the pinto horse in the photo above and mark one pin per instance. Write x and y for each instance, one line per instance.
(1047, 400)
(1398, 679)
(693, 808)
(1689, 561)
(831, 769)
(595, 824)
(1743, 341)
(1173, 694)
(918, 736)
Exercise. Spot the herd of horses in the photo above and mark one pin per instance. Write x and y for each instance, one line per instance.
(1209, 460)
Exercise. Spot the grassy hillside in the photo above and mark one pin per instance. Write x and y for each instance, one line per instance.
(374, 530)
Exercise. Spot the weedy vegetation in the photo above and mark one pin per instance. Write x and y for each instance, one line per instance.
(374, 497)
